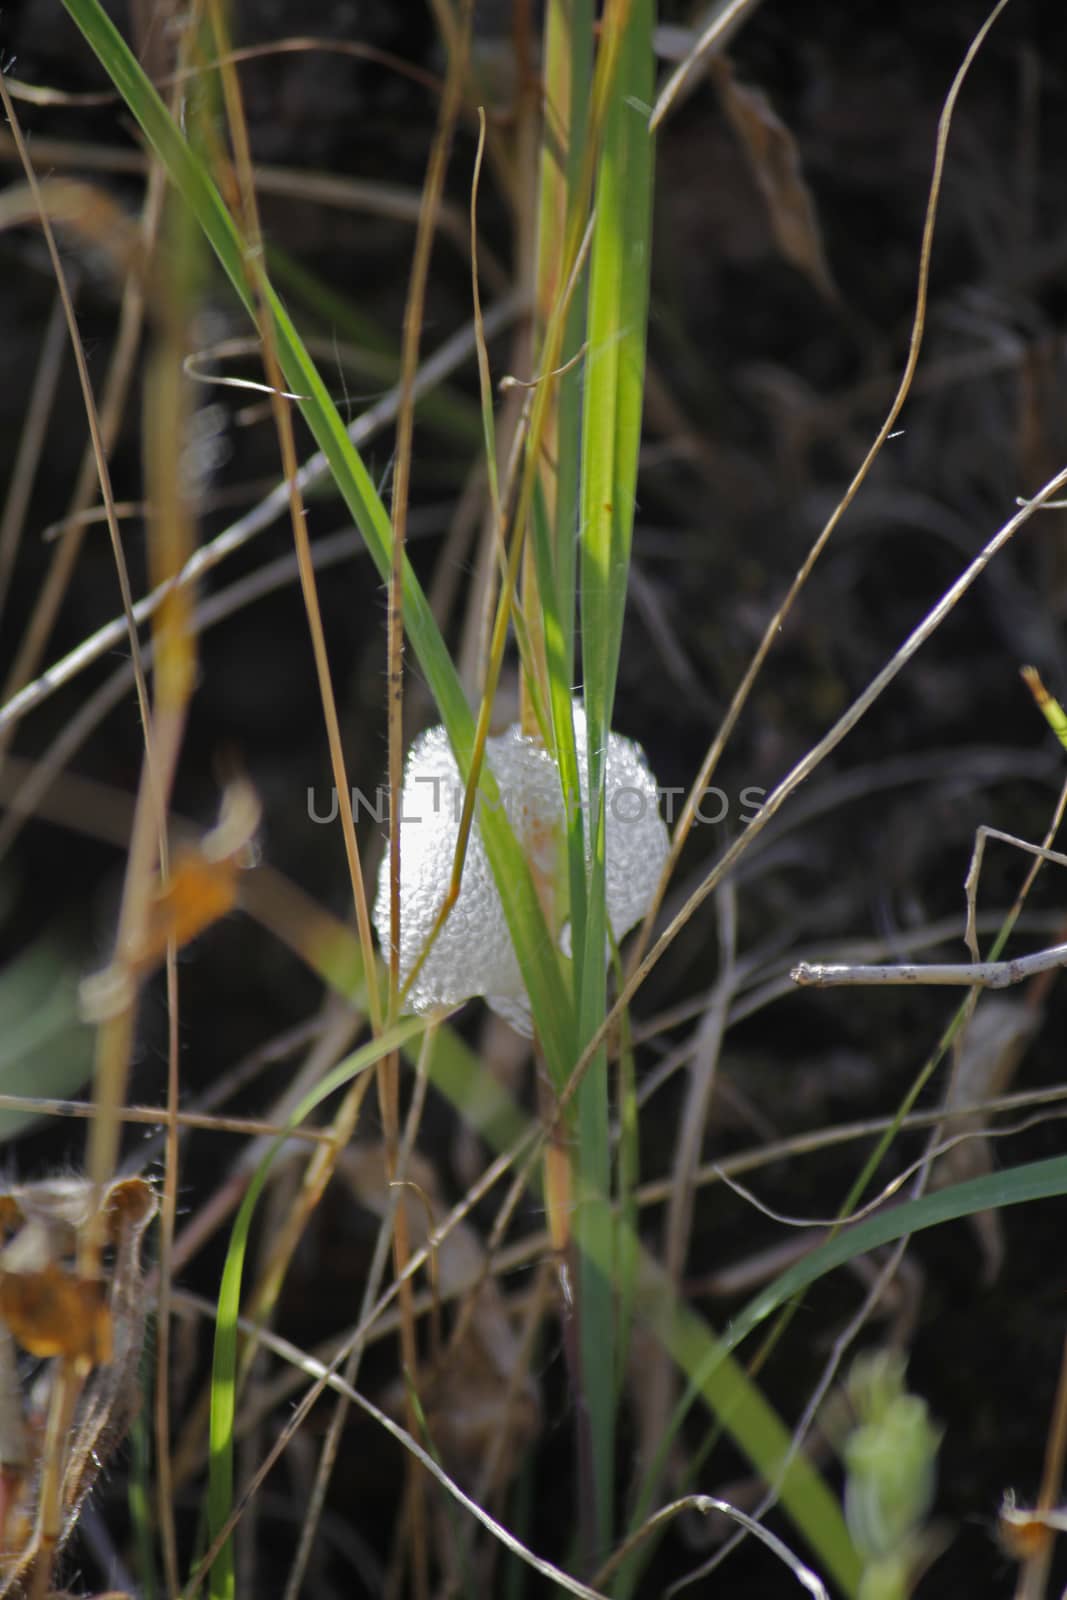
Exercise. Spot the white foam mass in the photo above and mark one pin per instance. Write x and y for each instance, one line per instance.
(473, 954)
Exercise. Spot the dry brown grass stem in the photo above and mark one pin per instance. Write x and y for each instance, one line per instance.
(31, 442)
(153, 1116)
(326, 1376)
(115, 1034)
(639, 965)
(112, 403)
(774, 627)
(451, 354)
(390, 201)
(38, 95)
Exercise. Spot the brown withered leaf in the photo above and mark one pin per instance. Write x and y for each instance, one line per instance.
(197, 893)
(91, 1335)
(200, 888)
(202, 884)
(774, 160)
(993, 1046)
(54, 1313)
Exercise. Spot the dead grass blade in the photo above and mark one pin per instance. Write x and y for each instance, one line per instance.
(775, 163)
(727, 16)
(31, 443)
(91, 1334)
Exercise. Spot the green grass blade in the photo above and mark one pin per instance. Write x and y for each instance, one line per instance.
(568, 73)
(1048, 705)
(1038, 1180)
(140, 1500)
(718, 1379)
(557, 621)
(224, 1365)
(729, 1393)
(568, 54)
(538, 958)
(614, 379)
(685, 1334)
(614, 370)
(627, 1175)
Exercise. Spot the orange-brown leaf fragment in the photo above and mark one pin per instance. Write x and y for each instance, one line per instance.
(197, 893)
(54, 1313)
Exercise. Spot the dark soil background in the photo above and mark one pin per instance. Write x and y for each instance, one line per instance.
(766, 391)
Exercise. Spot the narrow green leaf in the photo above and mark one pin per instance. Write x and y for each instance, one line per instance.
(1048, 705)
(1039, 1180)
(614, 379)
(537, 955)
(706, 1360)
(224, 1364)
(732, 1397)
(562, 206)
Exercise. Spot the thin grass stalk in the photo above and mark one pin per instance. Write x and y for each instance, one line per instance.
(214, 1566)
(536, 951)
(31, 442)
(530, 639)
(389, 1071)
(773, 630)
(614, 381)
(113, 399)
(529, 625)
(170, 543)
(457, 1073)
(259, 301)
(116, 1032)
(223, 1576)
(565, 163)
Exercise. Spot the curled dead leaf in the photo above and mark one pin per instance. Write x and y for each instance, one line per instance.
(774, 160)
(52, 1313)
(89, 1333)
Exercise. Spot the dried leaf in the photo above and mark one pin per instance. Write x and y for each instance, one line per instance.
(201, 887)
(91, 1334)
(775, 162)
(197, 893)
(993, 1046)
(52, 1313)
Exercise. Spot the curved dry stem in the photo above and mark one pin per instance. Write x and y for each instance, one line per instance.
(455, 350)
(38, 95)
(774, 627)
(804, 769)
(725, 21)
(706, 1504)
(31, 442)
(326, 1376)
